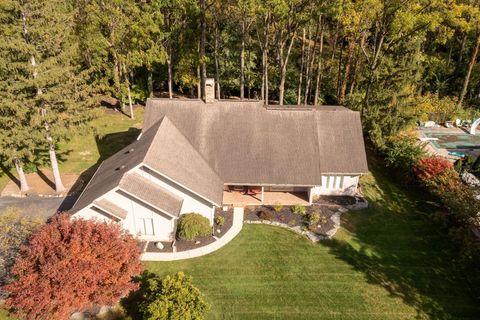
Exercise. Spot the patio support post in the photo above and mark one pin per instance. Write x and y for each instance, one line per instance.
(262, 194)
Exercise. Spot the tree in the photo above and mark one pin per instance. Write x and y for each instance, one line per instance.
(57, 92)
(173, 298)
(17, 145)
(16, 229)
(71, 265)
(287, 17)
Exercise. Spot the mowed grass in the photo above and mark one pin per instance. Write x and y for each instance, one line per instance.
(386, 262)
(109, 132)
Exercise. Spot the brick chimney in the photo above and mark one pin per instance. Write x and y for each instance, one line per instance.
(209, 90)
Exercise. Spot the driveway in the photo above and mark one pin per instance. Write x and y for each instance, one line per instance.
(34, 205)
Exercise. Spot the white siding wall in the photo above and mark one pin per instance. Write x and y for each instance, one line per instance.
(336, 185)
(162, 224)
(191, 202)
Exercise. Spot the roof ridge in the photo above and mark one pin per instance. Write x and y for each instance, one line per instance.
(165, 121)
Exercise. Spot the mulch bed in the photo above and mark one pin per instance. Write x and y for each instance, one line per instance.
(184, 245)
(167, 247)
(228, 215)
(336, 200)
(285, 215)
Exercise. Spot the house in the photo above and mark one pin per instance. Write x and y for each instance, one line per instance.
(193, 156)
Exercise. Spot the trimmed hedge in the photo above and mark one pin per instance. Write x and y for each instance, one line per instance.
(193, 225)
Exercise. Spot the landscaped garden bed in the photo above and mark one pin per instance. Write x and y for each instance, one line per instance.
(223, 221)
(314, 218)
(227, 217)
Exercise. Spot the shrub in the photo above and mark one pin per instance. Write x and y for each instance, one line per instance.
(71, 265)
(277, 207)
(428, 169)
(265, 215)
(173, 298)
(220, 221)
(299, 209)
(476, 166)
(16, 229)
(314, 218)
(403, 153)
(193, 225)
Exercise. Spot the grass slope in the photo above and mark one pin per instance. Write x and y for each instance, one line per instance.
(110, 132)
(387, 262)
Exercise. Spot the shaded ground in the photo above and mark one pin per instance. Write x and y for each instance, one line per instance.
(110, 132)
(42, 183)
(32, 205)
(386, 262)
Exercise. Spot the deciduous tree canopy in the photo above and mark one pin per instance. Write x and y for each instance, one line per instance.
(72, 265)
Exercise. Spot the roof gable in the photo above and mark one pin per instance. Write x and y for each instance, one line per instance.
(172, 155)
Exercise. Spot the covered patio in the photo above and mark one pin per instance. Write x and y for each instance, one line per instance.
(262, 197)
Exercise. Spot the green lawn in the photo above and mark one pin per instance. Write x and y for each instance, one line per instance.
(386, 262)
(110, 132)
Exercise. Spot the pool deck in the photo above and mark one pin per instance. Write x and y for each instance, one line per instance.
(451, 139)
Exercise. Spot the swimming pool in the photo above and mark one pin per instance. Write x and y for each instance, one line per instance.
(457, 141)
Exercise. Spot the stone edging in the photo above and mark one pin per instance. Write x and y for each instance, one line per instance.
(201, 251)
(359, 205)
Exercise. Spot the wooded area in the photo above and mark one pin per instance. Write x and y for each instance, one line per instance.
(396, 61)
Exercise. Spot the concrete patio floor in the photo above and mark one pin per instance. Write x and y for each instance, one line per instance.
(237, 198)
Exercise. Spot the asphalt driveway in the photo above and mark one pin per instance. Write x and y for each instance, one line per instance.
(34, 205)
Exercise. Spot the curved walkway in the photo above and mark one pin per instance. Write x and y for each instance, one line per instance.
(227, 237)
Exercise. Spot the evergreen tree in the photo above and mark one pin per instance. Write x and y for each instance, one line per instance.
(51, 96)
(16, 144)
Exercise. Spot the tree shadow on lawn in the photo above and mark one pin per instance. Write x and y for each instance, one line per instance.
(107, 145)
(395, 246)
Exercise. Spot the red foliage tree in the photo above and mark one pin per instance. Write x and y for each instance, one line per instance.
(71, 265)
(428, 169)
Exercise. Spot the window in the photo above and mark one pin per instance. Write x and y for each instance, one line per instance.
(334, 182)
(145, 226)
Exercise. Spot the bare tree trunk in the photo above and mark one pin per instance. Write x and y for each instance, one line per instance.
(302, 62)
(462, 48)
(469, 72)
(217, 67)
(310, 63)
(130, 105)
(354, 77)
(56, 172)
(170, 75)
(242, 61)
(150, 83)
(319, 65)
(129, 94)
(203, 29)
(346, 73)
(283, 65)
(199, 83)
(267, 20)
(21, 176)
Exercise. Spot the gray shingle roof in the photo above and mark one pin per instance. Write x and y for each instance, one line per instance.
(247, 143)
(166, 150)
(111, 208)
(204, 146)
(151, 193)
